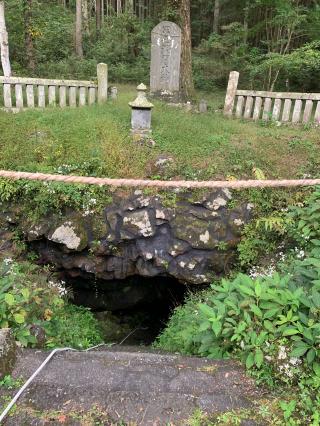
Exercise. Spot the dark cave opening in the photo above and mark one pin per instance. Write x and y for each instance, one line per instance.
(133, 311)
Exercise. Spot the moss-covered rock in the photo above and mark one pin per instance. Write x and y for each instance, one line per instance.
(8, 351)
(191, 239)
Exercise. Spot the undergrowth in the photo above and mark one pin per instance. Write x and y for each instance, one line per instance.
(269, 318)
(36, 309)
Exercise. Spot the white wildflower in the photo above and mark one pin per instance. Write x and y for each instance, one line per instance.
(282, 354)
(286, 369)
(60, 286)
(262, 271)
(295, 361)
(300, 254)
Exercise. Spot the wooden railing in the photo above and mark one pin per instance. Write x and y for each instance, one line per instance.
(286, 107)
(21, 92)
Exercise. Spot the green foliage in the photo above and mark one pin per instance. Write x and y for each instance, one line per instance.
(255, 244)
(27, 300)
(215, 56)
(8, 382)
(75, 327)
(124, 45)
(179, 334)
(262, 237)
(40, 199)
(255, 317)
(297, 65)
(279, 37)
(270, 323)
(307, 218)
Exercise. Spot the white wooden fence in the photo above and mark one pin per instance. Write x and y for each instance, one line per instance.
(20, 92)
(286, 107)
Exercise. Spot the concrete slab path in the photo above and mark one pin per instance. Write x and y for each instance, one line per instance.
(129, 385)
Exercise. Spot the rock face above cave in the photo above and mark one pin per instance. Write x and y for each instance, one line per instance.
(191, 239)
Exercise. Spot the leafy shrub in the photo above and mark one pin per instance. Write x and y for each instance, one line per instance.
(75, 327)
(251, 319)
(179, 335)
(28, 301)
(271, 323)
(305, 218)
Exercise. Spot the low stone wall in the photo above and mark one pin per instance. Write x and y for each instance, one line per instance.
(191, 239)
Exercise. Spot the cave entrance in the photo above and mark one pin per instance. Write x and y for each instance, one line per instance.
(133, 311)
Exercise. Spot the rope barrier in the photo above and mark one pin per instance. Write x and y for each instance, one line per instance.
(141, 183)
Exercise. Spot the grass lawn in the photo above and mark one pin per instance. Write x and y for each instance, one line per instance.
(94, 140)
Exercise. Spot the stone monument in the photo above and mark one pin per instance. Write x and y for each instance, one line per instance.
(165, 60)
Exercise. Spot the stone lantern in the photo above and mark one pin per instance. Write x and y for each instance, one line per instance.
(114, 92)
(141, 113)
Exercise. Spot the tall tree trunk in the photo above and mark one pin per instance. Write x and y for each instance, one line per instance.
(78, 41)
(216, 19)
(186, 79)
(27, 12)
(98, 16)
(129, 6)
(119, 7)
(246, 21)
(102, 12)
(4, 46)
(85, 17)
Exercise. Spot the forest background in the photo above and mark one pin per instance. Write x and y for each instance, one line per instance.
(274, 44)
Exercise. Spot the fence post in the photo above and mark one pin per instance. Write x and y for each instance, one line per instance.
(231, 93)
(102, 74)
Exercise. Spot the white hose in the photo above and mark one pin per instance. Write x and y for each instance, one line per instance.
(27, 383)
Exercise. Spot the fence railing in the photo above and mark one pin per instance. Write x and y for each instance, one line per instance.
(22, 92)
(286, 107)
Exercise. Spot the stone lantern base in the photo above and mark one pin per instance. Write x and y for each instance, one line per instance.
(141, 120)
(141, 116)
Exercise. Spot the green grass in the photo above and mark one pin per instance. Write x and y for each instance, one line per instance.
(203, 146)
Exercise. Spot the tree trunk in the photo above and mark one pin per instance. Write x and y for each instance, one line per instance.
(119, 7)
(129, 6)
(186, 78)
(27, 12)
(141, 10)
(216, 19)
(79, 48)
(4, 46)
(98, 16)
(85, 17)
(246, 22)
